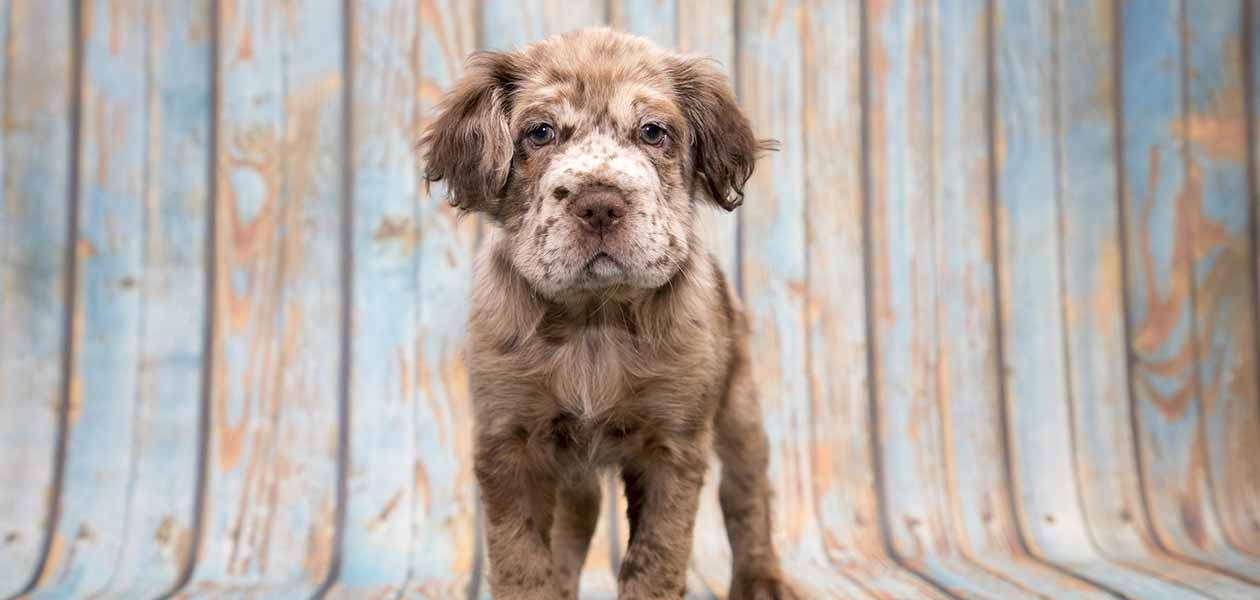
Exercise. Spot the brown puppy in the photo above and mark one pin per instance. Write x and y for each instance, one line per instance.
(602, 333)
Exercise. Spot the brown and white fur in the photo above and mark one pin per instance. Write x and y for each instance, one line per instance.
(602, 333)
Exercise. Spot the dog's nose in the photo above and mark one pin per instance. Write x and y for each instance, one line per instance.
(600, 208)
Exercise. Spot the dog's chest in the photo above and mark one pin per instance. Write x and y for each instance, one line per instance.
(592, 371)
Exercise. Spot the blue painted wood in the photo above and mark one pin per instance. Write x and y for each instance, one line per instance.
(775, 268)
(969, 362)
(443, 553)
(507, 24)
(845, 488)
(107, 320)
(383, 399)
(1105, 466)
(656, 20)
(34, 208)
(1165, 214)
(1214, 129)
(271, 484)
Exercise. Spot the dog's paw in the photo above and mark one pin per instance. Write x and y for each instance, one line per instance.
(762, 587)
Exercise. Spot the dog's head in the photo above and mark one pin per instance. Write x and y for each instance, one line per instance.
(589, 151)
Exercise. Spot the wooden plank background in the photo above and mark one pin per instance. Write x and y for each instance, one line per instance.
(1003, 280)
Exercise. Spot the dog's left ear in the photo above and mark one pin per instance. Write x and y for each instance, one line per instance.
(723, 147)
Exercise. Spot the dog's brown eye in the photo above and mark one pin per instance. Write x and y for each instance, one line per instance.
(652, 134)
(541, 135)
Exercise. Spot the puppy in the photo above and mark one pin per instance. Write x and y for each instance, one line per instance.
(602, 334)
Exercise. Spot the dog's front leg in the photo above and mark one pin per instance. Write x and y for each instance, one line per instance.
(519, 498)
(662, 492)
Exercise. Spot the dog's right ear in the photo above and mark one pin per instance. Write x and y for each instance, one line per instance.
(469, 145)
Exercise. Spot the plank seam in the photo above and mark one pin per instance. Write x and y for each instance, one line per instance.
(1122, 233)
(347, 298)
(868, 291)
(210, 247)
(69, 294)
(1253, 177)
(1060, 170)
(1023, 549)
(148, 20)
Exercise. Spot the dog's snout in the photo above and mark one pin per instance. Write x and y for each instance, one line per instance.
(599, 208)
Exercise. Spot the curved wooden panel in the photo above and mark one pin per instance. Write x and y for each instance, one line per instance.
(443, 549)
(381, 482)
(1178, 407)
(949, 347)
(126, 507)
(1124, 556)
(775, 270)
(1214, 131)
(271, 489)
(35, 206)
(845, 486)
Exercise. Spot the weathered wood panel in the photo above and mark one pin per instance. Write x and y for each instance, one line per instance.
(774, 272)
(845, 485)
(126, 505)
(1214, 130)
(271, 486)
(1178, 408)
(1096, 368)
(903, 293)
(443, 556)
(35, 204)
(380, 483)
(970, 396)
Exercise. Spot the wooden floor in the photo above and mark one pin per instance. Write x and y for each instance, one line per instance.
(1003, 279)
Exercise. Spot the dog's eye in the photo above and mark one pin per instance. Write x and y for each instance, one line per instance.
(652, 134)
(541, 135)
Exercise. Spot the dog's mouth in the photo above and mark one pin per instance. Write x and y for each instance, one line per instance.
(603, 267)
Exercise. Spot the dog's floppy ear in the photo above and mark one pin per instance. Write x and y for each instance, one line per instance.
(723, 147)
(469, 145)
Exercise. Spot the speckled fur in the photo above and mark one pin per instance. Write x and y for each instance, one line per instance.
(637, 361)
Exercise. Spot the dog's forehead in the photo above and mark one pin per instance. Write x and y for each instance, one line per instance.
(593, 77)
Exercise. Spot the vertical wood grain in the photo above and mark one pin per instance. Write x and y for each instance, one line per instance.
(1092, 246)
(1176, 403)
(384, 199)
(775, 269)
(708, 29)
(443, 547)
(1056, 243)
(939, 422)
(1214, 129)
(34, 218)
(126, 504)
(506, 24)
(970, 395)
(271, 487)
(656, 20)
(847, 503)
